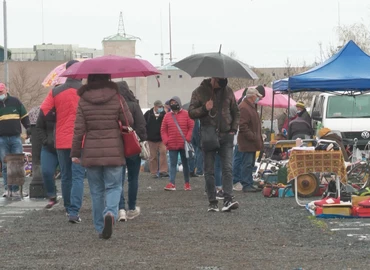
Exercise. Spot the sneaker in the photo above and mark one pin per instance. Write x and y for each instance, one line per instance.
(170, 187)
(219, 194)
(200, 174)
(187, 186)
(164, 174)
(213, 208)
(122, 215)
(5, 194)
(193, 174)
(238, 187)
(74, 219)
(52, 202)
(230, 205)
(154, 176)
(131, 214)
(108, 226)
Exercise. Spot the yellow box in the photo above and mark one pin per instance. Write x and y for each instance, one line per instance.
(337, 209)
(358, 199)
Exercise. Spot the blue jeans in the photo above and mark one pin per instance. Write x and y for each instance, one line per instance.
(133, 165)
(72, 175)
(105, 189)
(174, 155)
(237, 165)
(49, 162)
(218, 171)
(248, 160)
(9, 145)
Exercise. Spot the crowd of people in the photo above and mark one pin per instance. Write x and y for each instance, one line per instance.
(79, 131)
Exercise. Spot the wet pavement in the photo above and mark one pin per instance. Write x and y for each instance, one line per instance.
(175, 231)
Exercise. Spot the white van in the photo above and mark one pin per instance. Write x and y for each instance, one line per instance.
(348, 114)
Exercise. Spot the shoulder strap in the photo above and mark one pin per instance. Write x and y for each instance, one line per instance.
(123, 110)
(219, 111)
(178, 127)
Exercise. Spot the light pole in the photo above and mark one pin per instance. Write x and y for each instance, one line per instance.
(6, 68)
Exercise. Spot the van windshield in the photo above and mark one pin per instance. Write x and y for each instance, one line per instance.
(348, 107)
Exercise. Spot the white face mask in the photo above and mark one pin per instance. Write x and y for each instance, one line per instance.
(2, 97)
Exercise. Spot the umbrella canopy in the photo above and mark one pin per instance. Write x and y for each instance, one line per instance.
(215, 65)
(53, 78)
(280, 100)
(116, 66)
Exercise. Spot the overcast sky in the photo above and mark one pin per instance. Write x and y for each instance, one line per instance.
(262, 33)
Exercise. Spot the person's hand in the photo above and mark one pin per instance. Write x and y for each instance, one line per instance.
(209, 105)
(76, 160)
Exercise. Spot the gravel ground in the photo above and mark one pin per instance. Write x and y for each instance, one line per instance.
(176, 232)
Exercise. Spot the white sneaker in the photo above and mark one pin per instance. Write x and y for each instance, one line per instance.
(131, 214)
(18, 194)
(122, 215)
(238, 187)
(5, 194)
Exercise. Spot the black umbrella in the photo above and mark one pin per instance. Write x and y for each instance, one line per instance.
(215, 65)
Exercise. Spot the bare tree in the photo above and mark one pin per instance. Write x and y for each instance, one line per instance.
(358, 32)
(28, 90)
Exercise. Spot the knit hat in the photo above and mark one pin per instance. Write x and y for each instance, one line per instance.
(158, 103)
(324, 131)
(2, 86)
(300, 104)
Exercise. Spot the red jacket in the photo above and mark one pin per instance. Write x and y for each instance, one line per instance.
(170, 134)
(63, 99)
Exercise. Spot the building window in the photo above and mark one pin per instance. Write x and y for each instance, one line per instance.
(285, 74)
(169, 76)
(180, 76)
(262, 74)
(158, 76)
(273, 73)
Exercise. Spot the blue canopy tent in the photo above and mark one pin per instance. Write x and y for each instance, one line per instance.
(280, 85)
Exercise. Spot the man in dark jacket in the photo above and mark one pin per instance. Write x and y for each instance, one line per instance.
(45, 127)
(213, 103)
(299, 128)
(13, 114)
(302, 112)
(133, 164)
(154, 118)
(249, 137)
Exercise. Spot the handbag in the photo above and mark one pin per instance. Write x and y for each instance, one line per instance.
(131, 145)
(145, 150)
(189, 149)
(209, 133)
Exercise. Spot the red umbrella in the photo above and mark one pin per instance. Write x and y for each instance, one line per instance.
(116, 66)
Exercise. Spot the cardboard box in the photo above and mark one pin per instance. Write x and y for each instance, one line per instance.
(358, 199)
(343, 209)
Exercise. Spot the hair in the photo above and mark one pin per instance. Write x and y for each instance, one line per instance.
(98, 78)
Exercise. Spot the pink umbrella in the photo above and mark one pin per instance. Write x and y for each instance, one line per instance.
(116, 66)
(53, 78)
(280, 100)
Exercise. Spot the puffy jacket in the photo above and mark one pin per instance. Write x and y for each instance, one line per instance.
(64, 100)
(133, 104)
(171, 136)
(97, 118)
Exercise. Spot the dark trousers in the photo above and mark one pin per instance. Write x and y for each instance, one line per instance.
(226, 155)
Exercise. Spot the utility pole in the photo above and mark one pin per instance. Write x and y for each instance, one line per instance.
(162, 57)
(6, 67)
(170, 32)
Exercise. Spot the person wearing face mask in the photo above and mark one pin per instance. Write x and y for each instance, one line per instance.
(214, 104)
(173, 121)
(13, 114)
(154, 118)
(249, 137)
(302, 112)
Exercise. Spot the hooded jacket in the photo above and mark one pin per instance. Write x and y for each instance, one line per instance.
(230, 111)
(171, 135)
(97, 126)
(133, 104)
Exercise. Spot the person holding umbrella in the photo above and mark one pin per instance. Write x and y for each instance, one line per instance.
(96, 128)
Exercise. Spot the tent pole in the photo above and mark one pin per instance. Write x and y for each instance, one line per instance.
(272, 115)
(288, 107)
